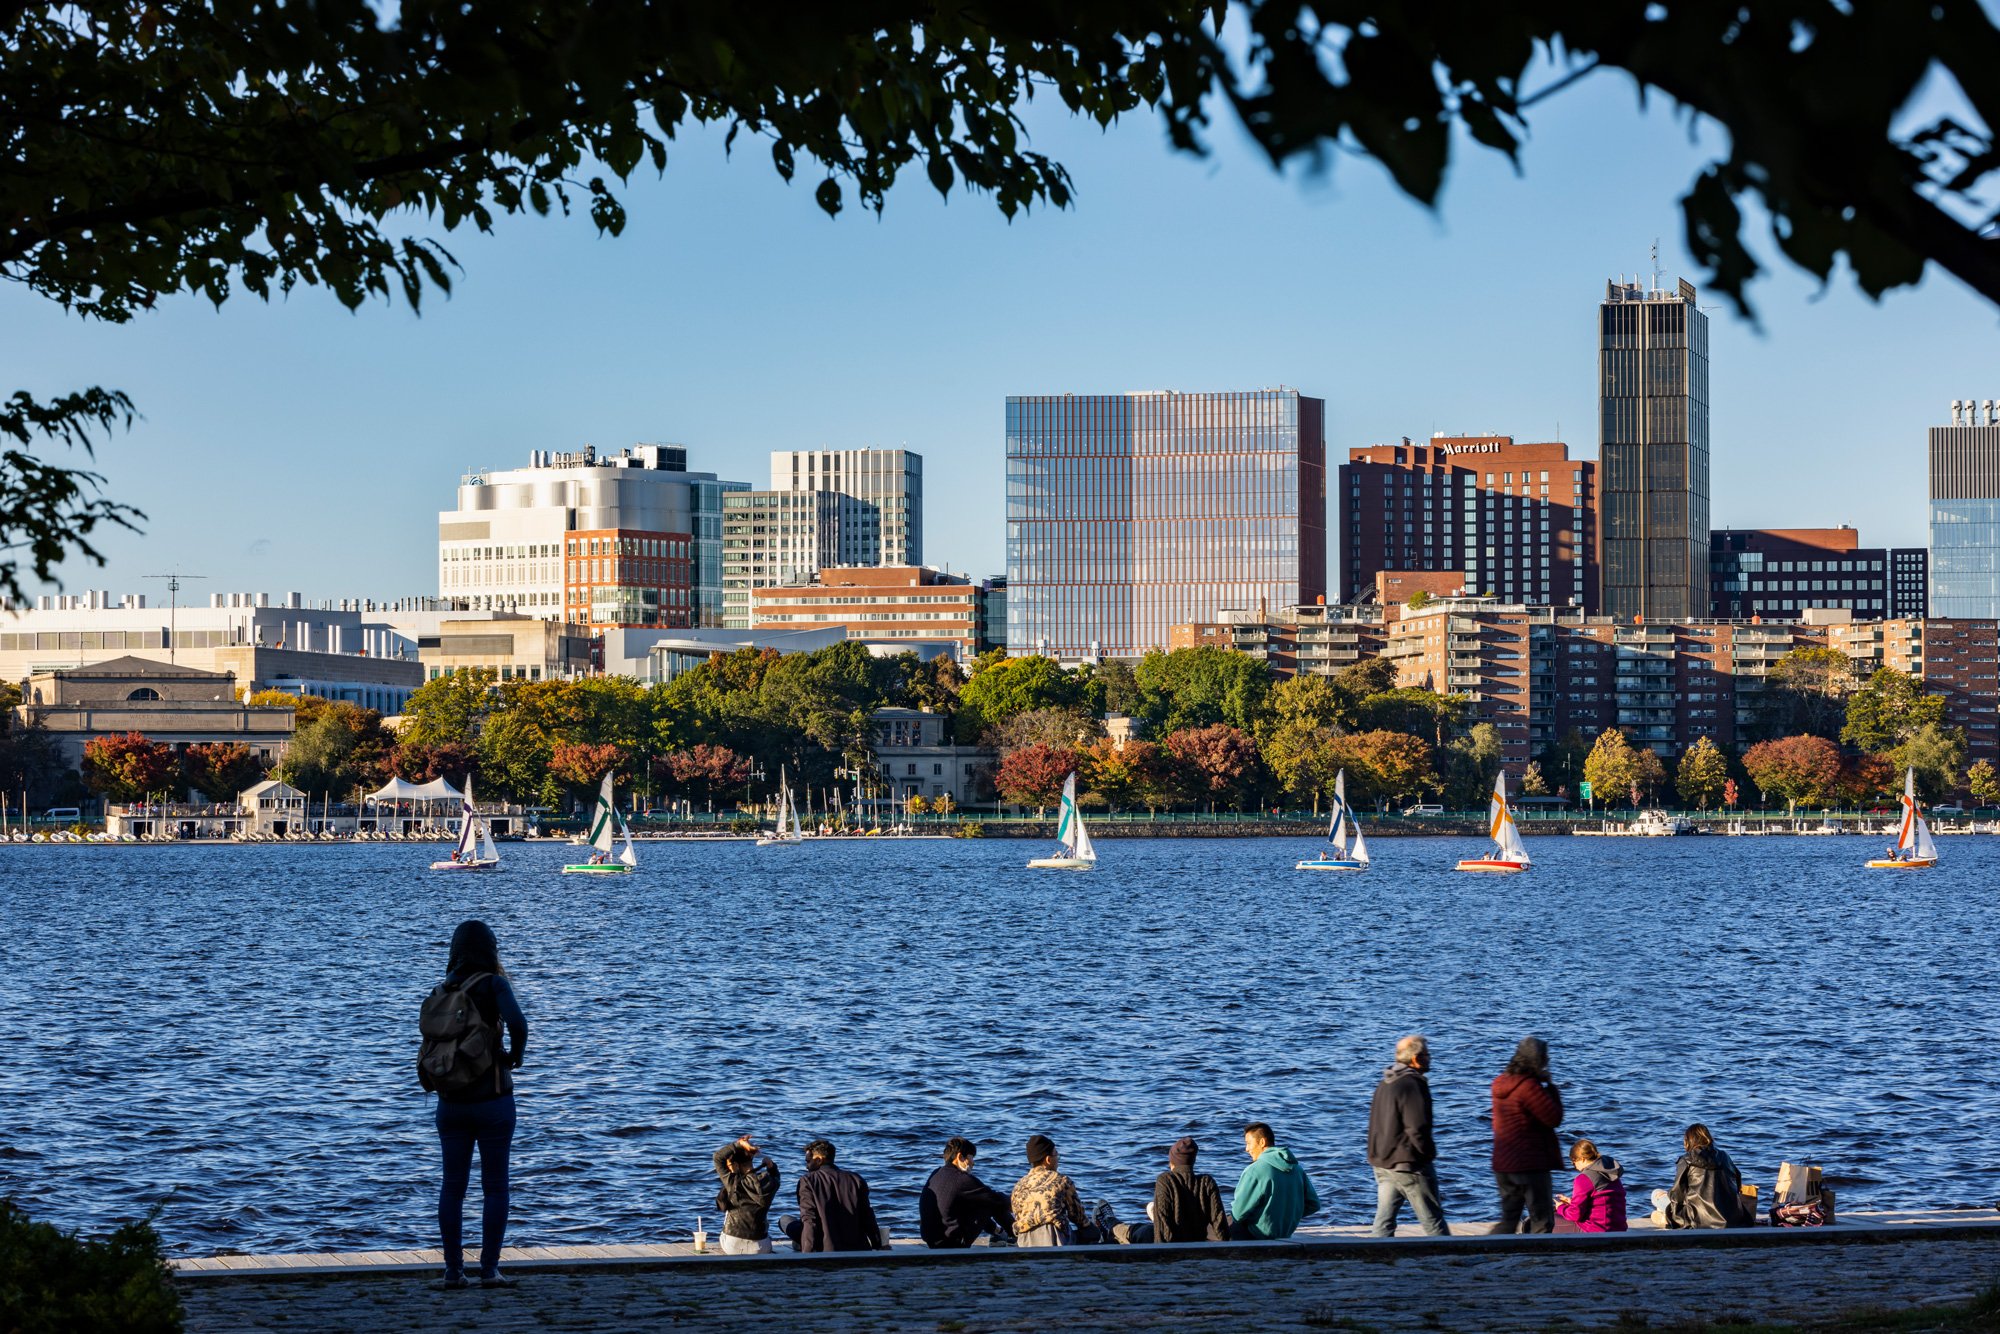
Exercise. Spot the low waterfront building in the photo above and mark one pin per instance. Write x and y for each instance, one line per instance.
(917, 760)
(168, 703)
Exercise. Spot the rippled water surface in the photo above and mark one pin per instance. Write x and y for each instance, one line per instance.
(231, 1032)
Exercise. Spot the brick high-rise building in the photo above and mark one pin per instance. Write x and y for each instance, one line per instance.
(1958, 659)
(1652, 386)
(1518, 520)
(1777, 573)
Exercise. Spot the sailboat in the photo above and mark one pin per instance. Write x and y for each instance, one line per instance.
(1338, 857)
(604, 826)
(782, 837)
(1077, 852)
(1509, 854)
(1914, 845)
(475, 841)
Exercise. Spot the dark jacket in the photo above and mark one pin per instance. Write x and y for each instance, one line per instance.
(957, 1206)
(834, 1213)
(1187, 1206)
(1708, 1192)
(1526, 1113)
(1399, 1120)
(474, 951)
(745, 1197)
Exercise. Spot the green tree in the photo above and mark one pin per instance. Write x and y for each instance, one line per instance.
(1611, 768)
(1890, 709)
(228, 146)
(1385, 765)
(1437, 718)
(1983, 781)
(1806, 691)
(130, 767)
(1937, 754)
(1562, 760)
(1470, 762)
(1063, 728)
(1532, 782)
(448, 710)
(1003, 687)
(1652, 774)
(343, 747)
(1418, 600)
(1702, 772)
(1201, 687)
(1120, 686)
(513, 757)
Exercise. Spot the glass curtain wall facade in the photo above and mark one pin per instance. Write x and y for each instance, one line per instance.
(1653, 453)
(1131, 513)
(1965, 512)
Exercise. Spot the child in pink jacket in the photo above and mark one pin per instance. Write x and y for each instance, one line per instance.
(1597, 1199)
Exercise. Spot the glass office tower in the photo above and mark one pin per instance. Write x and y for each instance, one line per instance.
(1965, 512)
(1652, 385)
(1131, 513)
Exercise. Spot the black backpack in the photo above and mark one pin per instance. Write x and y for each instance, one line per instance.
(460, 1047)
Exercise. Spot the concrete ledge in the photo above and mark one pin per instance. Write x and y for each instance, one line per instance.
(1866, 1229)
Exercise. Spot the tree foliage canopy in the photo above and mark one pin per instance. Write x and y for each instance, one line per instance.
(236, 145)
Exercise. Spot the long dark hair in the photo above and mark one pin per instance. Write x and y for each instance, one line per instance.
(473, 950)
(1531, 1058)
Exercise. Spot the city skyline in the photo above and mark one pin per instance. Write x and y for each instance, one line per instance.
(382, 411)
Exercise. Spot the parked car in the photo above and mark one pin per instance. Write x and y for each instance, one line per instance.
(1952, 808)
(1423, 808)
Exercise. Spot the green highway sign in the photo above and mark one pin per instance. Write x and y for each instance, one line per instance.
(1583, 791)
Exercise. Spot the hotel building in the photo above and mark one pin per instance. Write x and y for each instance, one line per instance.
(631, 539)
(1128, 514)
(1965, 511)
(1652, 383)
(1517, 520)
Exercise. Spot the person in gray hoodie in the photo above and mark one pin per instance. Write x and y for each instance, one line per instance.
(1400, 1147)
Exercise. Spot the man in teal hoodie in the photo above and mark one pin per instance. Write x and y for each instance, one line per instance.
(1273, 1193)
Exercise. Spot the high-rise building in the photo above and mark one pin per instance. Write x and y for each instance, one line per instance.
(1777, 573)
(1965, 511)
(825, 507)
(1131, 513)
(1518, 520)
(631, 539)
(1652, 386)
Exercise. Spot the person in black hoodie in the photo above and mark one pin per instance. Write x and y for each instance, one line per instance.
(957, 1206)
(834, 1213)
(1187, 1205)
(483, 1116)
(1707, 1191)
(745, 1197)
(1400, 1147)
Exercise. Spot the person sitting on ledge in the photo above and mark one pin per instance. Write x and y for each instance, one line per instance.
(1187, 1205)
(1273, 1193)
(834, 1213)
(957, 1206)
(745, 1197)
(1596, 1202)
(1047, 1210)
(1708, 1190)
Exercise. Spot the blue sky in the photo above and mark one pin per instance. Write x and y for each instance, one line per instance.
(298, 446)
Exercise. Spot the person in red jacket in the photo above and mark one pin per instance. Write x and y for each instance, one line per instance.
(1527, 1108)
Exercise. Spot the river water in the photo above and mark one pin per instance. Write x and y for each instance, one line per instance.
(229, 1034)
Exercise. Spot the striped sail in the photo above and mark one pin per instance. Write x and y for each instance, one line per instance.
(1506, 835)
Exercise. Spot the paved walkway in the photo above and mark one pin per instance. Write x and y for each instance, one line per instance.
(1464, 1284)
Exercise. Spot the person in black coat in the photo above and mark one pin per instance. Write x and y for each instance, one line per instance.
(1187, 1205)
(1401, 1149)
(482, 1116)
(957, 1206)
(834, 1213)
(745, 1197)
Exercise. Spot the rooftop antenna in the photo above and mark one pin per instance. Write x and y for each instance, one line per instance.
(1656, 264)
(173, 607)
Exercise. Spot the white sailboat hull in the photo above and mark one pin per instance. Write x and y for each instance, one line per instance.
(1330, 864)
(1063, 864)
(477, 864)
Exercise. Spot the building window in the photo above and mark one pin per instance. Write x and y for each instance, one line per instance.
(144, 692)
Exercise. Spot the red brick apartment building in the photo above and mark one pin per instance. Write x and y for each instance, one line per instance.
(623, 578)
(877, 602)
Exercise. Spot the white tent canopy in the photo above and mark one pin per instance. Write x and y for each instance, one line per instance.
(398, 790)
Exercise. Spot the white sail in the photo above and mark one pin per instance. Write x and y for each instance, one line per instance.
(1913, 840)
(486, 849)
(468, 825)
(1506, 835)
(628, 857)
(1360, 853)
(1335, 835)
(604, 819)
(797, 832)
(1066, 820)
(1083, 849)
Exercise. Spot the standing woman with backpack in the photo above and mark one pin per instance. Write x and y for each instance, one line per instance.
(464, 1063)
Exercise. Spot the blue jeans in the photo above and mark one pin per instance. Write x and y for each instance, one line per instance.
(489, 1124)
(1420, 1188)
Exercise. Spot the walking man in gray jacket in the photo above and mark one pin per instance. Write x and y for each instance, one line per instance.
(1400, 1147)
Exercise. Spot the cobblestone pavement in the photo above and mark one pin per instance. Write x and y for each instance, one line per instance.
(1384, 1287)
